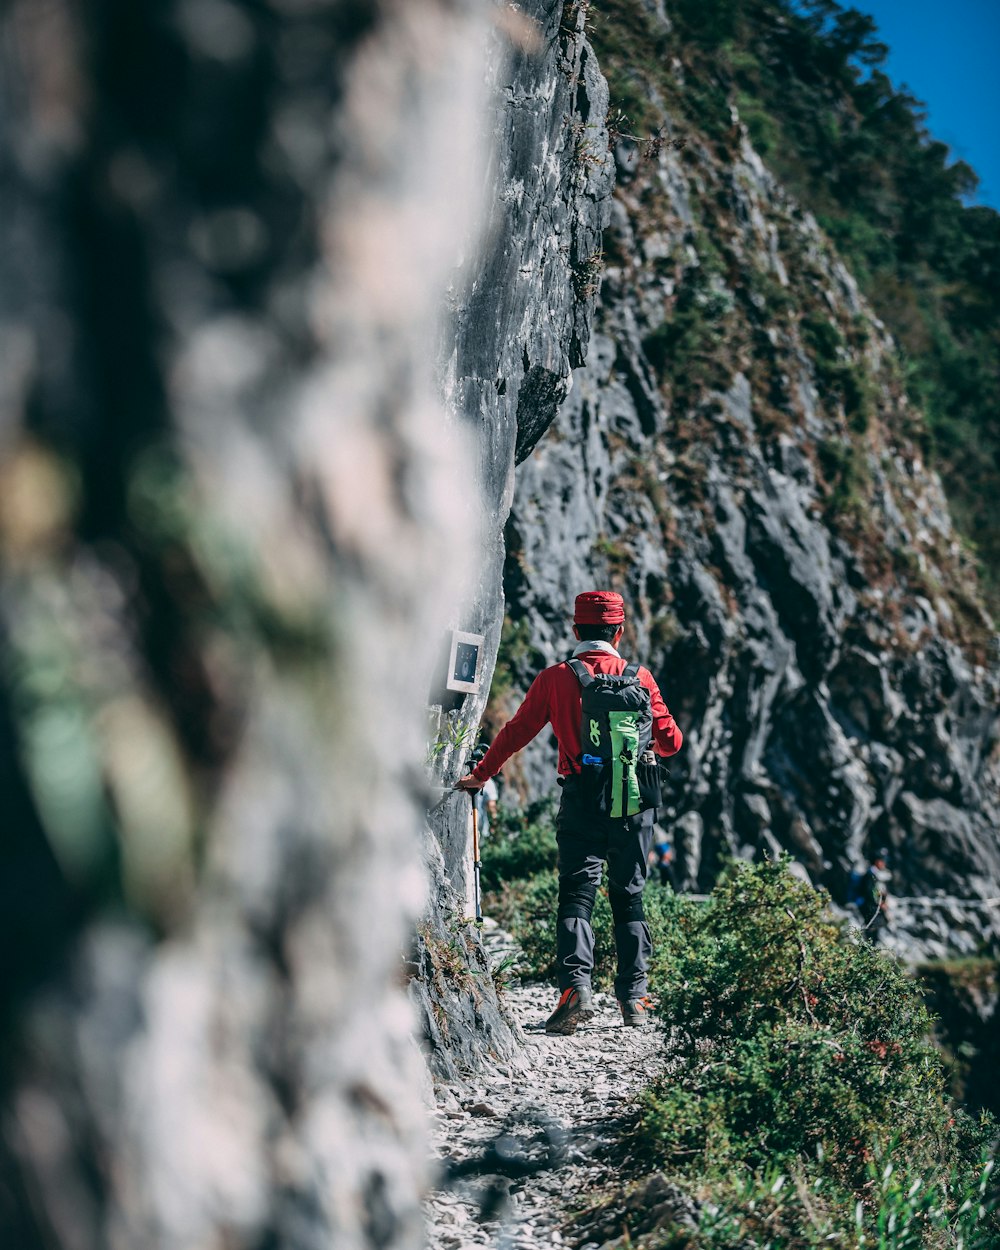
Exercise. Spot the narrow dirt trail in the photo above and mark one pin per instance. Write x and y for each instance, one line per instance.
(565, 1102)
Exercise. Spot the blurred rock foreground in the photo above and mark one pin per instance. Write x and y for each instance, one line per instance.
(231, 503)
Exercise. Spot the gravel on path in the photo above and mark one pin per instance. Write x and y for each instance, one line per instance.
(564, 1101)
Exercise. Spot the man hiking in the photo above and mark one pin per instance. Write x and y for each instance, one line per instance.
(609, 792)
(873, 896)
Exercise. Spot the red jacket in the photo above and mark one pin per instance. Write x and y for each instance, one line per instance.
(554, 698)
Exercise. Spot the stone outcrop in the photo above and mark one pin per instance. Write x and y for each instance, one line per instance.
(518, 325)
(937, 926)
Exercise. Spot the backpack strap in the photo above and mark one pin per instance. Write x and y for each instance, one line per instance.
(631, 670)
(583, 675)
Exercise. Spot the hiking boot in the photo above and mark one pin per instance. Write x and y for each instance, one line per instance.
(575, 1007)
(635, 1011)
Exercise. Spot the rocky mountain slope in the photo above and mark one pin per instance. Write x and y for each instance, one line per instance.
(740, 459)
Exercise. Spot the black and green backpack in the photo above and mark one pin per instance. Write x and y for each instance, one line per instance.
(618, 771)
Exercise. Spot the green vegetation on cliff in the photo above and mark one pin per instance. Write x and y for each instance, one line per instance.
(796, 1041)
(806, 80)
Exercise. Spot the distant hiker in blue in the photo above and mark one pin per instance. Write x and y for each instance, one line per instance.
(661, 858)
(872, 896)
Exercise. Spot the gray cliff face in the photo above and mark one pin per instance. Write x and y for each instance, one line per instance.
(737, 458)
(518, 325)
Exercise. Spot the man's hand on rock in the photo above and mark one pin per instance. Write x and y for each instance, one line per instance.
(470, 783)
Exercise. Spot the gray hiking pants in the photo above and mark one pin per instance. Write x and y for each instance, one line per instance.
(585, 840)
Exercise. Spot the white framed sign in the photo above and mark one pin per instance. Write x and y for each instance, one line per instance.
(465, 661)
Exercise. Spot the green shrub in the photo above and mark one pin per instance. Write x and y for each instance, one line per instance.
(796, 1042)
(685, 351)
(837, 376)
(764, 129)
(527, 909)
(521, 843)
(805, 1209)
(824, 338)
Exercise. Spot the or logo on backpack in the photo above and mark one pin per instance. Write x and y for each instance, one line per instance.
(617, 722)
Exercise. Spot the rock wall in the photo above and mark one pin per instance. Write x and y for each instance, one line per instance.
(227, 484)
(738, 457)
(518, 325)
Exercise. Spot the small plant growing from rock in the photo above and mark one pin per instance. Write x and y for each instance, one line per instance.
(586, 154)
(650, 146)
(453, 734)
(587, 275)
(569, 20)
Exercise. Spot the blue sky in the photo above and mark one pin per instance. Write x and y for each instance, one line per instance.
(947, 52)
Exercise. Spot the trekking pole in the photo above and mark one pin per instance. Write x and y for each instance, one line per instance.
(476, 861)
